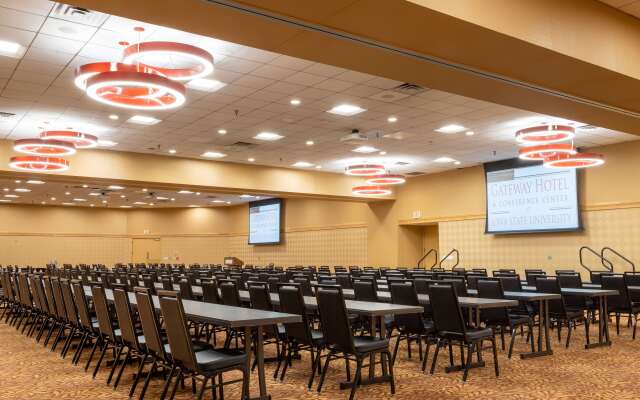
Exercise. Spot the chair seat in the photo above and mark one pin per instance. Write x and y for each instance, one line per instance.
(473, 335)
(211, 360)
(197, 346)
(516, 320)
(366, 344)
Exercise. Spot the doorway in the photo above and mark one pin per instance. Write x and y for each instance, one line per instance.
(145, 250)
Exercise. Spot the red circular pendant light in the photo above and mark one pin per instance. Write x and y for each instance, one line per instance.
(86, 71)
(545, 134)
(579, 160)
(41, 147)
(135, 90)
(365, 170)
(371, 190)
(387, 179)
(201, 59)
(539, 153)
(39, 164)
(79, 139)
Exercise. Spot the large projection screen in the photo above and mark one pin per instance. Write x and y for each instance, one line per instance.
(525, 197)
(265, 220)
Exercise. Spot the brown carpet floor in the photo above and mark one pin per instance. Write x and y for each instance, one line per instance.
(29, 371)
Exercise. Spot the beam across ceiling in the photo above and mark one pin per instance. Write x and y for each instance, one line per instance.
(565, 59)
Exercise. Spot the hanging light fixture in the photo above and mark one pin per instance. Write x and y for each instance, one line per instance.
(578, 160)
(41, 147)
(387, 179)
(371, 190)
(147, 52)
(38, 164)
(539, 153)
(545, 134)
(79, 139)
(86, 71)
(365, 170)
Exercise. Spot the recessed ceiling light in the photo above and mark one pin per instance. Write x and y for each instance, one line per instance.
(251, 159)
(346, 110)
(444, 160)
(35, 182)
(269, 136)
(318, 166)
(193, 205)
(104, 202)
(197, 193)
(144, 189)
(217, 201)
(92, 205)
(222, 131)
(95, 194)
(53, 199)
(67, 193)
(125, 206)
(213, 154)
(122, 196)
(365, 149)
(392, 119)
(452, 128)
(106, 143)
(295, 102)
(185, 192)
(85, 186)
(228, 202)
(6, 189)
(11, 196)
(114, 117)
(140, 203)
(143, 120)
(79, 200)
(10, 48)
(161, 198)
(68, 204)
(5, 201)
(245, 196)
(43, 202)
(151, 204)
(18, 181)
(383, 153)
(116, 187)
(469, 133)
(22, 190)
(173, 199)
(302, 164)
(206, 85)
(309, 143)
(456, 163)
(172, 151)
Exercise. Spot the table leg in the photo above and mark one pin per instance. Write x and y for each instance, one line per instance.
(247, 351)
(383, 334)
(543, 331)
(480, 363)
(260, 357)
(603, 325)
(372, 358)
(606, 321)
(477, 318)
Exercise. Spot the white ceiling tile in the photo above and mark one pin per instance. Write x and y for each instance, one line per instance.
(67, 29)
(303, 78)
(59, 44)
(20, 19)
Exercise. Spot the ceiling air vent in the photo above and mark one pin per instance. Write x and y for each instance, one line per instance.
(238, 146)
(587, 127)
(78, 14)
(6, 116)
(401, 163)
(355, 137)
(409, 89)
(414, 173)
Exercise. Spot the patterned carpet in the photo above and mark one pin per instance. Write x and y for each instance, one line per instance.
(29, 371)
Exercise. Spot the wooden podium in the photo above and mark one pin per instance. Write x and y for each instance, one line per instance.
(233, 262)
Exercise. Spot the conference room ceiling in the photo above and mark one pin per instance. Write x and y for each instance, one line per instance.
(631, 7)
(37, 87)
(23, 189)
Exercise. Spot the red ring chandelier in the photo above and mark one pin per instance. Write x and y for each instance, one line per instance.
(365, 170)
(42, 147)
(38, 164)
(386, 179)
(545, 134)
(539, 153)
(578, 160)
(202, 60)
(80, 140)
(371, 190)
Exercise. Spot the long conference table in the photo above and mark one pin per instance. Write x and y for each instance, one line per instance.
(229, 317)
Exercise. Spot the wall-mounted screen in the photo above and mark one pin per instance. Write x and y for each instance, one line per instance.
(526, 197)
(265, 220)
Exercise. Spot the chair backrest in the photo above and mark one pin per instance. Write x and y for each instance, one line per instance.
(69, 302)
(125, 319)
(305, 285)
(447, 315)
(334, 321)
(230, 293)
(61, 311)
(149, 283)
(421, 285)
(551, 285)
(615, 282)
(492, 289)
(260, 298)
(25, 293)
(458, 284)
(48, 292)
(186, 292)
(210, 292)
(344, 281)
(632, 278)
(364, 290)
(36, 281)
(292, 302)
(149, 322)
(82, 305)
(533, 275)
(511, 283)
(105, 323)
(177, 330)
(405, 293)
